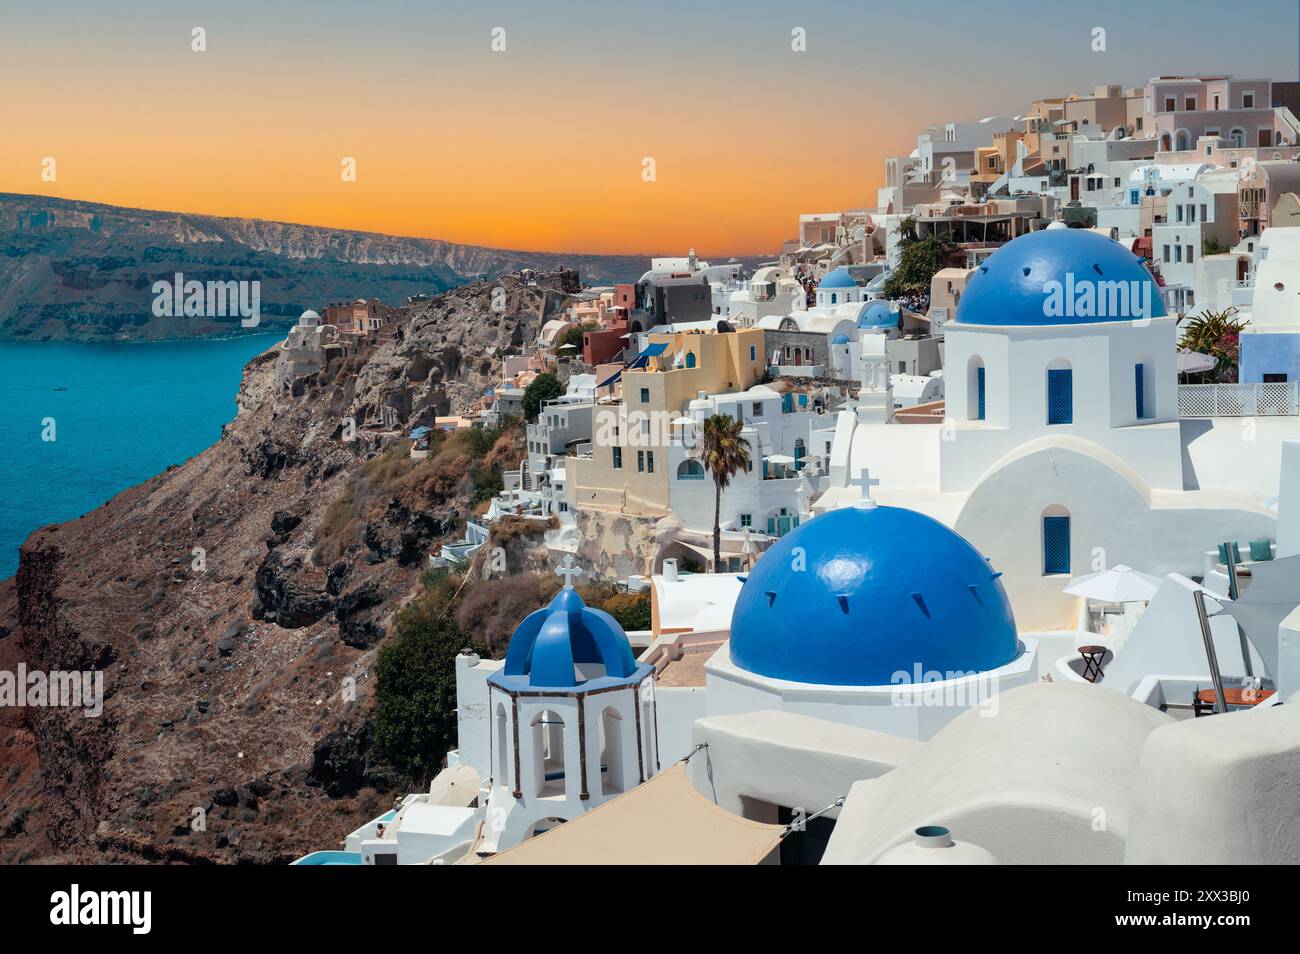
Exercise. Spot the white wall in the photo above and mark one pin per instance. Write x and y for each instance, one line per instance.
(1114, 519)
(1102, 357)
(1288, 508)
(913, 711)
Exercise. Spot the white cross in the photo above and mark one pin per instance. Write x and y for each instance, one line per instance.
(865, 481)
(568, 571)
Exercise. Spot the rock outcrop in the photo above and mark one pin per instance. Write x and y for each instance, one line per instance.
(236, 605)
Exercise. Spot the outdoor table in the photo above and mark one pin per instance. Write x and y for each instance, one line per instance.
(1092, 658)
(1236, 696)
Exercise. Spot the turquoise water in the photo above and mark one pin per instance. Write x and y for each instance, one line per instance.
(129, 410)
(330, 858)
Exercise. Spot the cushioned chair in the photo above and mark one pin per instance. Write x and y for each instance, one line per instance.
(1261, 550)
(1223, 553)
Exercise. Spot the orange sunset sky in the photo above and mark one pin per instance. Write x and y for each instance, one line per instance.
(541, 146)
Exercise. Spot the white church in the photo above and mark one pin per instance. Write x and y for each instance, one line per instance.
(1062, 447)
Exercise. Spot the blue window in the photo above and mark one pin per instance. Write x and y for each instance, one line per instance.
(618, 458)
(645, 395)
(650, 462)
(1139, 388)
(640, 462)
(979, 394)
(746, 520)
(753, 352)
(690, 470)
(1056, 544)
(690, 359)
(1060, 396)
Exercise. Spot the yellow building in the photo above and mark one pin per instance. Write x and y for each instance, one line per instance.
(628, 470)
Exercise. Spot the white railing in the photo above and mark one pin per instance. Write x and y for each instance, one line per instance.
(1238, 400)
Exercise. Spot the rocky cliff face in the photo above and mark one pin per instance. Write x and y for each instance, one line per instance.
(235, 606)
(85, 271)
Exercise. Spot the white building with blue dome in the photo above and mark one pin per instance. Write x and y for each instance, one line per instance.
(1063, 450)
(874, 616)
(569, 721)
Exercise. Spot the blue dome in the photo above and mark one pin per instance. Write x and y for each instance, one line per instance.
(878, 314)
(840, 339)
(549, 642)
(880, 590)
(839, 278)
(1060, 277)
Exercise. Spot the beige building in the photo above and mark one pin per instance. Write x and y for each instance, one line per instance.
(1107, 107)
(627, 470)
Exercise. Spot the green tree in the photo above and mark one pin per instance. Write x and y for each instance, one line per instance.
(632, 610)
(415, 691)
(723, 453)
(918, 260)
(572, 335)
(543, 388)
(1217, 334)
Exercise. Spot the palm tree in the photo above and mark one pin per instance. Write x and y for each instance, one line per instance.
(723, 453)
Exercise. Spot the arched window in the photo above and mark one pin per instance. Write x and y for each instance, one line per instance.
(1165, 143)
(1060, 392)
(548, 754)
(690, 359)
(1056, 540)
(1238, 137)
(690, 469)
(611, 752)
(976, 390)
(1182, 140)
(503, 747)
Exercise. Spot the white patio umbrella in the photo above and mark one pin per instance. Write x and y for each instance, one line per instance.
(1190, 362)
(1119, 584)
(747, 547)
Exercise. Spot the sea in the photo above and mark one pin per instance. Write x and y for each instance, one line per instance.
(81, 422)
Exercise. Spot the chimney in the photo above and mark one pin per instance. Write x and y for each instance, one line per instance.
(670, 571)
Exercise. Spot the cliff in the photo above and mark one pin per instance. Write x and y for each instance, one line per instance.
(235, 605)
(73, 270)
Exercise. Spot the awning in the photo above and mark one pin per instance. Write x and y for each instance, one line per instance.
(654, 350)
(610, 380)
(779, 459)
(1273, 595)
(662, 822)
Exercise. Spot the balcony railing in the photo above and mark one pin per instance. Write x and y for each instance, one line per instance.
(1238, 400)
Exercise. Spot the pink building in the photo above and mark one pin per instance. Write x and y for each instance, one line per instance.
(1185, 108)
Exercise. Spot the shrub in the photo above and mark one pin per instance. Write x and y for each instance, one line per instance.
(632, 610)
(415, 691)
(491, 609)
(543, 388)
